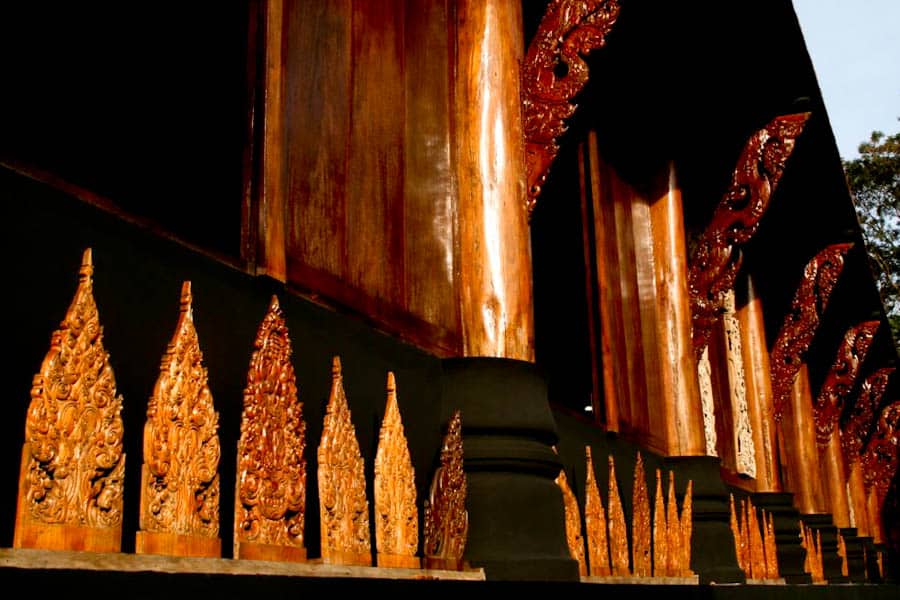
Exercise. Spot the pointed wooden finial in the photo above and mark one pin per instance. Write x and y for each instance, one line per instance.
(595, 524)
(660, 545)
(574, 539)
(640, 524)
(446, 519)
(336, 367)
(618, 535)
(770, 547)
(187, 299)
(687, 530)
(87, 265)
(673, 532)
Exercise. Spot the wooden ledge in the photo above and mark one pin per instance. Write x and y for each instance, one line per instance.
(693, 580)
(26, 558)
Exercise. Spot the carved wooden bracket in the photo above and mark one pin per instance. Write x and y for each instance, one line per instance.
(396, 514)
(790, 347)
(552, 75)
(270, 495)
(446, 518)
(857, 428)
(841, 378)
(716, 258)
(71, 480)
(574, 539)
(180, 477)
(343, 507)
(880, 460)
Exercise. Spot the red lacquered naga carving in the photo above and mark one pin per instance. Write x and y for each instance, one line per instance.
(856, 429)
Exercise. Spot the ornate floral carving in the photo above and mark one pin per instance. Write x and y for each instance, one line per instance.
(343, 507)
(618, 534)
(396, 515)
(595, 523)
(446, 519)
(660, 539)
(707, 402)
(552, 75)
(640, 524)
(800, 324)
(745, 450)
(574, 539)
(841, 378)
(180, 479)
(716, 258)
(881, 457)
(270, 499)
(73, 464)
(856, 430)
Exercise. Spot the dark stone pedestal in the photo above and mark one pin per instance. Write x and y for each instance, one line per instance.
(712, 543)
(516, 514)
(831, 562)
(786, 520)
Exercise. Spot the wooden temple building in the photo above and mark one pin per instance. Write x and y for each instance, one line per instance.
(575, 233)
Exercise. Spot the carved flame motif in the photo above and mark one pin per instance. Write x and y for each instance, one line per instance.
(771, 549)
(862, 413)
(841, 378)
(842, 552)
(73, 464)
(881, 457)
(687, 530)
(573, 523)
(812, 542)
(396, 515)
(800, 324)
(270, 500)
(618, 534)
(640, 524)
(343, 507)
(446, 519)
(716, 259)
(660, 538)
(569, 30)
(673, 531)
(595, 523)
(754, 541)
(180, 479)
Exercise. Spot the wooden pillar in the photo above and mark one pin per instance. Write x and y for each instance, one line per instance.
(856, 490)
(831, 462)
(798, 454)
(494, 242)
(680, 391)
(759, 390)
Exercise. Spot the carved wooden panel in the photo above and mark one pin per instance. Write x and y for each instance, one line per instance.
(800, 324)
(744, 447)
(446, 519)
(618, 533)
(707, 402)
(179, 478)
(71, 480)
(396, 514)
(574, 539)
(660, 539)
(270, 487)
(716, 258)
(569, 30)
(841, 378)
(881, 457)
(861, 414)
(343, 507)
(640, 523)
(595, 523)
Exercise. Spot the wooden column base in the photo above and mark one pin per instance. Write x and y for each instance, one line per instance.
(271, 552)
(177, 544)
(60, 536)
(398, 560)
(340, 557)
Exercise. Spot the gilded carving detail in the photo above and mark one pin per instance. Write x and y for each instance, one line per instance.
(800, 324)
(618, 533)
(270, 499)
(880, 460)
(754, 541)
(707, 402)
(574, 538)
(640, 524)
(841, 378)
(343, 507)
(446, 519)
(811, 541)
(770, 548)
(716, 257)
(687, 529)
(660, 537)
(862, 413)
(569, 30)
(180, 479)
(73, 464)
(745, 450)
(396, 515)
(595, 523)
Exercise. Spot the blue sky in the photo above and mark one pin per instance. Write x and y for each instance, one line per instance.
(855, 49)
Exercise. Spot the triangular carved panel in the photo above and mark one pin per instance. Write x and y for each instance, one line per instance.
(618, 534)
(574, 539)
(446, 519)
(640, 524)
(595, 524)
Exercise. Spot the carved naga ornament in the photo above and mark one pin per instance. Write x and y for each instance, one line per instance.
(396, 515)
(270, 499)
(881, 458)
(343, 507)
(856, 430)
(179, 477)
(569, 30)
(716, 258)
(790, 347)
(841, 378)
(574, 539)
(72, 460)
(446, 519)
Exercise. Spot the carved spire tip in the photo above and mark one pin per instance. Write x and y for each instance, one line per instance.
(335, 367)
(87, 264)
(587, 452)
(273, 304)
(391, 383)
(611, 461)
(186, 297)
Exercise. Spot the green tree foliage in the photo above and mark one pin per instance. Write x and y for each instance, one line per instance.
(874, 179)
